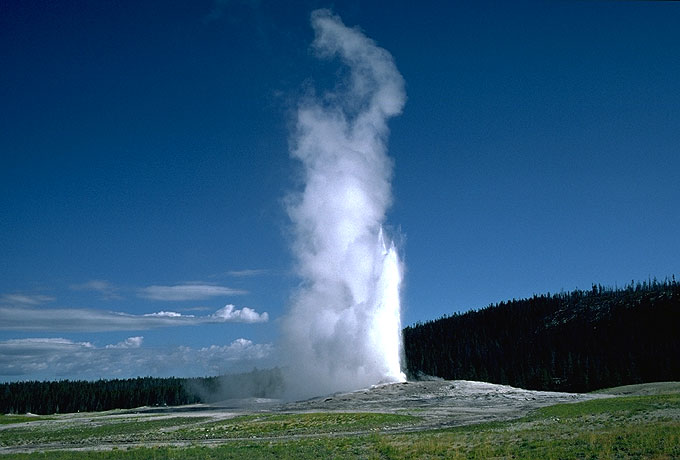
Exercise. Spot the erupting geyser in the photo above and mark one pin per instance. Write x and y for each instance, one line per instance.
(343, 330)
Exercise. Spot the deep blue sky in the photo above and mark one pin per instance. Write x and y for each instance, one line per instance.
(144, 162)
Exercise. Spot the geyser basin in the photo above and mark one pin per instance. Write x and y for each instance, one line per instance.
(343, 331)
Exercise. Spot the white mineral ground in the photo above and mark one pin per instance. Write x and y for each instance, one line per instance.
(441, 403)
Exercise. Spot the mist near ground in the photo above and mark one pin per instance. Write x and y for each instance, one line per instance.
(258, 384)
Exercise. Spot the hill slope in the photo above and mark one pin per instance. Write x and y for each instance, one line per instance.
(578, 341)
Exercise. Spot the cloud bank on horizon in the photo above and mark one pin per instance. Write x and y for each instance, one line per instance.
(59, 357)
(65, 358)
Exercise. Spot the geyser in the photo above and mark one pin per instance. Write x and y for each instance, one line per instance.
(343, 330)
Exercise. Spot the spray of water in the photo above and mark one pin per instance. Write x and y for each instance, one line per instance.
(343, 330)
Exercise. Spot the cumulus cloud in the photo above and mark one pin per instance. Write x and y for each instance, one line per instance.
(130, 342)
(188, 291)
(244, 315)
(81, 320)
(54, 358)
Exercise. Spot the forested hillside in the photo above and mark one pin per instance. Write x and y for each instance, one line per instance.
(577, 341)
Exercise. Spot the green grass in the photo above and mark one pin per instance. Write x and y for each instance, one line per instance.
(305, 449)
(8, 419)
(641, 389)
(272, 425)
(88, 433)
(626, 406)
(615, 428)
(638, 427)
(654, 440)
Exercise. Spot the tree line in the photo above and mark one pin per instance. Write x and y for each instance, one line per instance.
(85, 396)
(577, 341)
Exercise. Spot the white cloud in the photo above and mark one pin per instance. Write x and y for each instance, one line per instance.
(196, 309)
(130, 342)
(24, 299)
(218, 358)
(181, 292)
(169, 314)
(28, 356)
(54, 358)
(41, 344)
(81, 320)
(240, 348)
(244, 315)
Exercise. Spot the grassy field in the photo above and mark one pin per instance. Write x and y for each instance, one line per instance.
(617, 428)
(93, 432)
(277, 425)
(628, 427)
(9, 419)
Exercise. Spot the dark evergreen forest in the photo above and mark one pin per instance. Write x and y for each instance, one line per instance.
(577, 341)
(83, 396)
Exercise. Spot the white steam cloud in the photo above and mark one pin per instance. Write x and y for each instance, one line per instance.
(343, 331)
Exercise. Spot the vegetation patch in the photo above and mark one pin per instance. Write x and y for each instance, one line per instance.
(93, 431)
(10, 419)
(301, 449)
(641, 389)
(637, 440)
(614, 407)
(272, 425)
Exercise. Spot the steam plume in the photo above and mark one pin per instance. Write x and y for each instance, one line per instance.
(343, 331)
